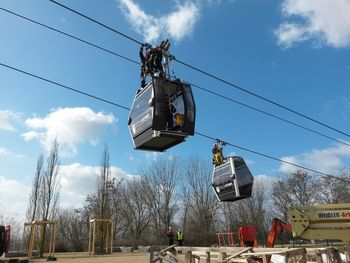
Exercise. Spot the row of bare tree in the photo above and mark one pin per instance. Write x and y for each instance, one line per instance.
(178, 193)
(172, 192)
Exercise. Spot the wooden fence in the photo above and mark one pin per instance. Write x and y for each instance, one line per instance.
(250, 255)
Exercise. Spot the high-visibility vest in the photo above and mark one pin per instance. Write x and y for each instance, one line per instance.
(179, 235)
(218, 158)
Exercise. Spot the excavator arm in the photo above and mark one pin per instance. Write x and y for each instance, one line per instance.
(277, 228)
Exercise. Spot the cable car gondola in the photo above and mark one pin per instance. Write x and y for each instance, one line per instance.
(232, 180)
(162, 114)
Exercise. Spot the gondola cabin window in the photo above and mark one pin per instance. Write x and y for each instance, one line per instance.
(141, 113)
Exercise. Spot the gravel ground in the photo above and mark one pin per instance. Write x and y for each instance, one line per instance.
(85, 258)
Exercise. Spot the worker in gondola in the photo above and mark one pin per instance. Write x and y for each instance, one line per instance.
(151, 60)
(217, 154)
(144, 68)
(169, 110)
(156, 60)
(178, 121)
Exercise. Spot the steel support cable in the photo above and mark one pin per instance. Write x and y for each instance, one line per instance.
(96, 22)
(261, 97)
(64, 86)
(194, 85)
(209, 74)
(198, 133)
(269, 114)
(275, 158)
(69, 35)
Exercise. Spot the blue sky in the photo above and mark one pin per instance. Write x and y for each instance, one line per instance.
(293, 52)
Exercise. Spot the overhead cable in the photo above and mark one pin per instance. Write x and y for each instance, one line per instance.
(97, 22)
(194, 85)
(69, 35)
(64, 86)
(261, 97)
(208, 74)
(274, 158)
(198, 133)
(269, 114)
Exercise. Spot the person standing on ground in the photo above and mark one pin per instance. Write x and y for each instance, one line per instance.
(170, 236)
(179, 237)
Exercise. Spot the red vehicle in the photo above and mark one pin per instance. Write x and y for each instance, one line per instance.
(247, 236)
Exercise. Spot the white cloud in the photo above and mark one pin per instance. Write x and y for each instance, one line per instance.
(78, 180)
(70, 126)
(177, 24)
(324, 22)
(6, 120)
(13, 198)
(218, 2)
(181, 22)
(7, 152)
(153, 156)
(328, 160)
(264, 179)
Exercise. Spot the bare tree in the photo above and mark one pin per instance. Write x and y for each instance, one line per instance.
(200, 201)
(104, 188)
(50, 185)
(33, 205)
(300, 188)
(184, 207)
(161, 179)
(134, 210)
(72, 229)
(281, 199)
(34, 196)
(49, 191)
(250, 211)
(101, 203)
(335, 189)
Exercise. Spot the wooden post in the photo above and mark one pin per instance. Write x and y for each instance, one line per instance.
(222, 256)
(347, 254)
(109, 236)
(31, 241)
(151, 254)
(318, 256)
(207, 257)
(112, 232)
(90, 237)
(188, 257)
(107, 239)
(93, 238)
(52, 237)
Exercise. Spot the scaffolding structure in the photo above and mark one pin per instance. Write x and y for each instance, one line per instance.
(52, 235)
(109, 236)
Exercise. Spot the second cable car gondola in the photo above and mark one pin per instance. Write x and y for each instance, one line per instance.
(232, 180)
(162, 114)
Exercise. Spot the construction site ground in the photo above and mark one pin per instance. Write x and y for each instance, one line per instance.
(83, 257)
